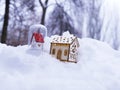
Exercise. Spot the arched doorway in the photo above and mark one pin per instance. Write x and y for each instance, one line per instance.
(59, 54)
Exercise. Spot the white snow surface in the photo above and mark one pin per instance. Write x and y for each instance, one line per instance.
(98, 68)
(65, 38)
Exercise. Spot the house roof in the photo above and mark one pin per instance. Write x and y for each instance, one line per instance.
(63, 39)
(38, 37)
(66, 38)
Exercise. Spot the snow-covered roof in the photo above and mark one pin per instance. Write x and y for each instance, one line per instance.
(66, 38)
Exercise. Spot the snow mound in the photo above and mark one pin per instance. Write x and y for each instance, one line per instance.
(97, 68)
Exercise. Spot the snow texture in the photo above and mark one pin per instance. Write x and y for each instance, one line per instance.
(65, 38)
(25, 69)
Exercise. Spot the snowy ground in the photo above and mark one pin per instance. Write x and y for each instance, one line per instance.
(98, 68)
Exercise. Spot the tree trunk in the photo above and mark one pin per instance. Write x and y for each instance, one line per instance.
(44, 9)
(43, 16)
(5, 23)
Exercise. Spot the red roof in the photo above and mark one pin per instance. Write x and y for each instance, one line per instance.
(38, 37)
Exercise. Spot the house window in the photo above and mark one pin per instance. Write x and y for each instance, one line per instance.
(65, 53)
(53, 51)
(59, 54)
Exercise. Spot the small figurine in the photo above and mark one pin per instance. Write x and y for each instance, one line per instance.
(36, 36)
(37, 40)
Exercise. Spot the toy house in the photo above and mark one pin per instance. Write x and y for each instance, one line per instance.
(65, 48)
(37, 40)
(36, 36)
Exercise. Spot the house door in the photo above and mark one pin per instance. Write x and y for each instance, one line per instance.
(59, 54)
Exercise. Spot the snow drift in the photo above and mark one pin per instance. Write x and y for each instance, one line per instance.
(97, 68)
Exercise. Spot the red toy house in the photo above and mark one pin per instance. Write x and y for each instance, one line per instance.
(36, 36)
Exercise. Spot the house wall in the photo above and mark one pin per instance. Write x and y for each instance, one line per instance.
(73, 51)
(61, 47)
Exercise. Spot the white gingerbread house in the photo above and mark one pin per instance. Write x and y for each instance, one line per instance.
(65, 48)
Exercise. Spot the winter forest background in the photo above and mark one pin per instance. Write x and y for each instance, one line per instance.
(97, 19)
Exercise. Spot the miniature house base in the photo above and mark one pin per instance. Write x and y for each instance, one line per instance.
(65, 48)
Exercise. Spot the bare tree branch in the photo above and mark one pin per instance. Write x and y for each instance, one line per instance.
(40, 1)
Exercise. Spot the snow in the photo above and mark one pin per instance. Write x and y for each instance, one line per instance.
(97, 68)
(65, 38)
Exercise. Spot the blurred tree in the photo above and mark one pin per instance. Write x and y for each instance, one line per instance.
(22, 15)
(78, 12)
(44, 6)
(5, 23)
(89, 23)
(60, 21)
(94, 22)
